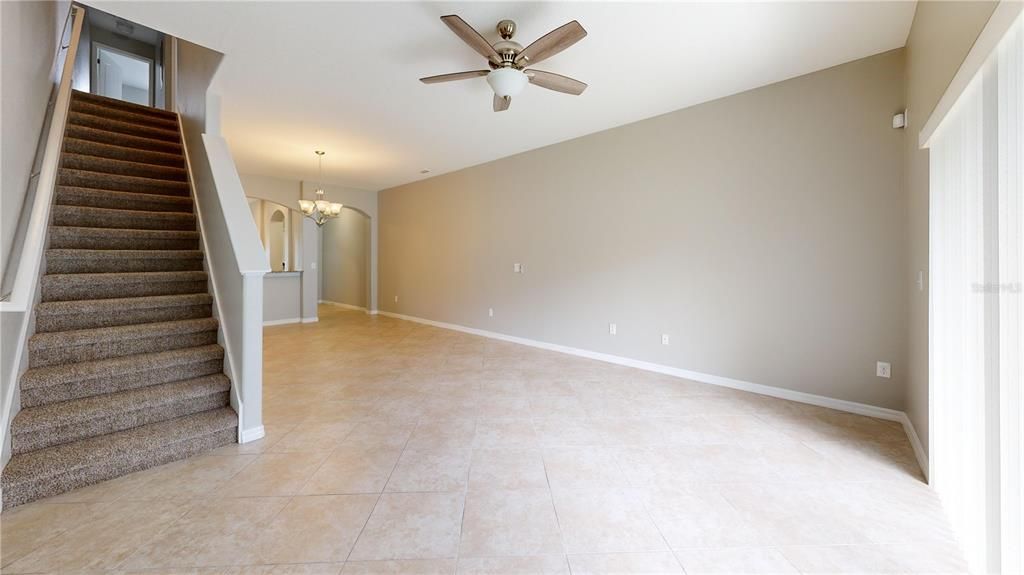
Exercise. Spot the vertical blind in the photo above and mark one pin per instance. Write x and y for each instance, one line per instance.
(976, 316)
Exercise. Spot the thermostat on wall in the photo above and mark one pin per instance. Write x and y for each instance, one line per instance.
(899, 120)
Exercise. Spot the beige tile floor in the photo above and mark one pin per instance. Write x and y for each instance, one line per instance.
(397, 448)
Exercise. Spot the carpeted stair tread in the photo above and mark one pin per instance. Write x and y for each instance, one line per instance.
(122, 183)
(56, 423)
(122, 238)
(128, 154)
(124, 369)
(92, 344)
(133, 116)
(90, 217)
(115, 200)
(70, 261)
(59, 374)
(132, 107)
(119, 139)
(96, 336)
(64, 287)
(64, 467)
(130, 128)
(113, 166)
(89, 313)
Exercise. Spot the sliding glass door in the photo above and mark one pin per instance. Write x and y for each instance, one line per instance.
(977, 318)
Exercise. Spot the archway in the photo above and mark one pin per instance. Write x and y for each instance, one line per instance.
(345, 260)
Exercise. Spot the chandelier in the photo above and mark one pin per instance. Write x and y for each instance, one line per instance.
(320, 210)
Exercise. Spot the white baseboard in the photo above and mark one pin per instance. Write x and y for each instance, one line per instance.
(280, 321)
(310, 319)
(345, 305)
(771, 391)
(915, 442)
(373, 312)
(253, 434)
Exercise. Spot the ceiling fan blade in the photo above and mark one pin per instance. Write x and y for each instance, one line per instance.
(471, 37)
(501, 104)
(551, 43)
(556, 82)
(456, 76)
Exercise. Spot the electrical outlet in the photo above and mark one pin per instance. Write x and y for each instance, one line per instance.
(517, 268)
(396, 299)
(664, 339)
(612, 328)
(883, 369)
(490, 312)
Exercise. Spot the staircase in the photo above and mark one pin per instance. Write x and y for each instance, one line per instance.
(124, 368)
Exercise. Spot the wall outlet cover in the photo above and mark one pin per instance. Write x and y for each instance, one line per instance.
(612, 329)
(883, 369)
(664, 339)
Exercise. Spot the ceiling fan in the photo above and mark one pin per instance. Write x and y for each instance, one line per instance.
(508, 60)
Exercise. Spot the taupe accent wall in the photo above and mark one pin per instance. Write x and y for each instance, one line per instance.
(763, 232)
(940, 38)
(345, 253)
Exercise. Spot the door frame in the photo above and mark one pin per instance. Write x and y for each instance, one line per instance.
(94, 64)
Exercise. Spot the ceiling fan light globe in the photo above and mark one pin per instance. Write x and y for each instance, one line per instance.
(507, 82)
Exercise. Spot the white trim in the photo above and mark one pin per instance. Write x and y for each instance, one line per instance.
(372, 312)
(310, 319)
(270, 322)
(344, 305)
(247, 435)
(771, 391)
(915, 443)
(1000, 21)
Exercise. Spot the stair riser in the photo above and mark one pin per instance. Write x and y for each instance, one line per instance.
(108, 103)
(122, 200)
(119, 183)
(106, 291)
(122, 115)
(83, 265)
(66, 322)
(87, 388)
(20, 493)
(110, 166)
(111, 125)
(41, 438)
(124, 140)
(106, 239)
(105, 350)
(90, 148)
(87, 218)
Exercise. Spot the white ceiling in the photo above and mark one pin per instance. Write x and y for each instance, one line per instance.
(343, 77)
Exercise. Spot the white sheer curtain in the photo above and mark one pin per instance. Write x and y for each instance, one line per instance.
(977, 214)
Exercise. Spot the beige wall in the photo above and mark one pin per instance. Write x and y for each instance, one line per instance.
(941, 36)
(764, 232)
(345, 253)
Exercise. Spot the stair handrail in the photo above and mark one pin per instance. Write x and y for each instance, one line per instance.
(26, 275)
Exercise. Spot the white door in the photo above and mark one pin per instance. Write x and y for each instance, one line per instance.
(123, 76)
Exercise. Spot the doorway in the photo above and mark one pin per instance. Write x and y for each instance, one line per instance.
(122, 75)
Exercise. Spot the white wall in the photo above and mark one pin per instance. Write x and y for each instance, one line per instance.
(30, 35)
(293, 299)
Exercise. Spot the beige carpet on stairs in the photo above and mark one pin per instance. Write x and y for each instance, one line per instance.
(124, 367)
